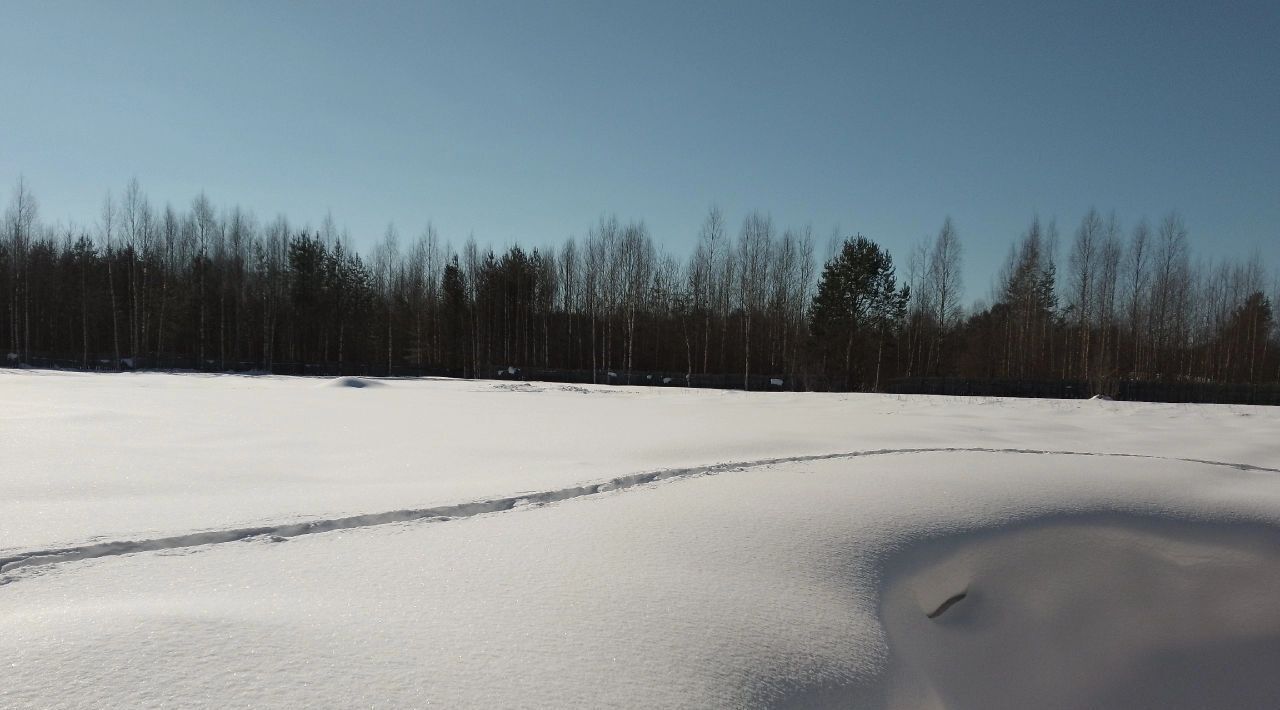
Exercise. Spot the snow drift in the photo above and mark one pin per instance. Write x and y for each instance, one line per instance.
(862, 551)
(1102, 612)
(355, 383)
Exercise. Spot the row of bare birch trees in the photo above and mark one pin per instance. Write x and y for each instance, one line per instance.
(210, 288)
(1128, 304)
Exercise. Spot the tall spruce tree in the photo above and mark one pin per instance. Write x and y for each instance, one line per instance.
(857, 306)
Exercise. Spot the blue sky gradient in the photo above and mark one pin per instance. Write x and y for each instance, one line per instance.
(526, 121)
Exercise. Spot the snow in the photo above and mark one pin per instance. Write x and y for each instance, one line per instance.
(627, 547)
(353, 382)
(1130, 613)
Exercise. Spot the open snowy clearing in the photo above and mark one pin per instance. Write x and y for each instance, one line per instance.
(232, 541)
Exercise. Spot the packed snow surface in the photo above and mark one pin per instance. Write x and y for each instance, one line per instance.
(197, 541)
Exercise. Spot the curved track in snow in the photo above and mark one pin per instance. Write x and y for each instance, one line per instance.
(283, 531)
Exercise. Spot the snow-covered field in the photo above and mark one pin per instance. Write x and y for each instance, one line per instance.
(204, 541)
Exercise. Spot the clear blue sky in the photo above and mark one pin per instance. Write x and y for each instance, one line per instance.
(525, 121)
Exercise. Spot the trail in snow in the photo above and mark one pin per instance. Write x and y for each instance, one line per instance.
(466, 510)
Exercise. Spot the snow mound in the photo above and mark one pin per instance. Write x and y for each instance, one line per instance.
(1098, 613)
(357, 383)
(1101, 398)
(1052, 581)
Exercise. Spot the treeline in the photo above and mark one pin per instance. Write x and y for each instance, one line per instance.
(215, 289)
